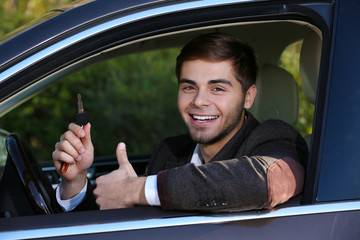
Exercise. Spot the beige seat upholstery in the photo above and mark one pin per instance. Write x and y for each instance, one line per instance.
(309, 68)
(309, 65)
(277, 95)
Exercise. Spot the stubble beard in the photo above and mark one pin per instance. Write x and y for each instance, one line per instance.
(200, 135)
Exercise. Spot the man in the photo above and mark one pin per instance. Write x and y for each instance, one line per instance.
(228, 162)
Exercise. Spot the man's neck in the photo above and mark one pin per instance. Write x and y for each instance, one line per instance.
(208, 151)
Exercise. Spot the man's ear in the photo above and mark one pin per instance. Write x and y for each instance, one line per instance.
(250, 96)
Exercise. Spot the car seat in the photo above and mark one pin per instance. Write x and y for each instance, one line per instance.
(277, 95)
(309, 69)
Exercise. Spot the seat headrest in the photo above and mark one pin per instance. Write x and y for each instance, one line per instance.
(277, 95)
(309, 65)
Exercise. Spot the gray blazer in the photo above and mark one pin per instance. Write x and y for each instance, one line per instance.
(260, 167)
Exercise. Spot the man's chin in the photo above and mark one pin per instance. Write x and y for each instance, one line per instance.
(205, 139)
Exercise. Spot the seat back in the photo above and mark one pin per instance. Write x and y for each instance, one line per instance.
(277, 95)
(309, 69)
(309, 65)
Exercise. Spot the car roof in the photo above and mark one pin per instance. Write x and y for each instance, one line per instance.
(71, 17)
(85, 14)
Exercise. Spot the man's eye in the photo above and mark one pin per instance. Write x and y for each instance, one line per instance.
(188, 88)
(218, 89)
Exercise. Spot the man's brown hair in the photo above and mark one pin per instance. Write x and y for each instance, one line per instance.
(217, 47)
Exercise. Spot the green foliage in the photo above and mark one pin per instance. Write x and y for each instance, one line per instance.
(130, 99)
(133, 100)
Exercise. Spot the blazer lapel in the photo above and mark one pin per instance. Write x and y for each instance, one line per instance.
(230, 150)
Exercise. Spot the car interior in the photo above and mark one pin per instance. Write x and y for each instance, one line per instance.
(280, 94)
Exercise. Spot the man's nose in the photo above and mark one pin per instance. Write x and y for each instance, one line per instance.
(201, 98)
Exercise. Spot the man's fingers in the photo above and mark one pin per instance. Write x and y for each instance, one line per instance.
(123, 159)
(67, 147)
(60, 157)
(70, 143)
(78, 137)
(77, 130)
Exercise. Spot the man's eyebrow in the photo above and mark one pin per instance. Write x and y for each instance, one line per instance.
(215, 81)
(184, 80)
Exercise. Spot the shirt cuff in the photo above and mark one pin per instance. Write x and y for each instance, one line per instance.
(70, 204)
(151, 191)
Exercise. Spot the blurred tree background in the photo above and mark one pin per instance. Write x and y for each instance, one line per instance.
(121, 97)
(130, 98)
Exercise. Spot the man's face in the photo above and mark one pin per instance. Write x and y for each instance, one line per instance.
(211, 100)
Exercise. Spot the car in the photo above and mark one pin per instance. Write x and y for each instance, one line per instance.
(93, 48)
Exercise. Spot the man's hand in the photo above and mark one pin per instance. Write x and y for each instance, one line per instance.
(75, 147)
(120, 188)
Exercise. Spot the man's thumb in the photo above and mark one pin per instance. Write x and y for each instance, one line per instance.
(123, 160)
(121, 154)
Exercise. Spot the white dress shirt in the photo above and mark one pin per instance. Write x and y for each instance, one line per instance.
(70, 204)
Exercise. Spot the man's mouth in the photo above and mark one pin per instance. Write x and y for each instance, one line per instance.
(202, 119)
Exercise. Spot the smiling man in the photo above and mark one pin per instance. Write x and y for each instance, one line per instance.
(212, 103)
(228, 162)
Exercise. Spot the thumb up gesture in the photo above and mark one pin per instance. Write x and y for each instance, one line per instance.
(121, 188)
(124, 165)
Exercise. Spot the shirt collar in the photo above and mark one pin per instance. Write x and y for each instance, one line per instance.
(197, 158)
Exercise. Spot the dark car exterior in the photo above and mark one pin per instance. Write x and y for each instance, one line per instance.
(329, 207)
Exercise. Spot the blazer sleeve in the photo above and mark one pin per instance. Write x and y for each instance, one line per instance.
(267, 170)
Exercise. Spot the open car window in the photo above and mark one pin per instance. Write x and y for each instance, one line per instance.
(132, 97)
(130, 94)
(129, 98)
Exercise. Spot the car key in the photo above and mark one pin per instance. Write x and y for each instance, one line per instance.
(81, 118)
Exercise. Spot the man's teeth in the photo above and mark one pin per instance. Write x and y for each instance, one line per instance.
(204, 118)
